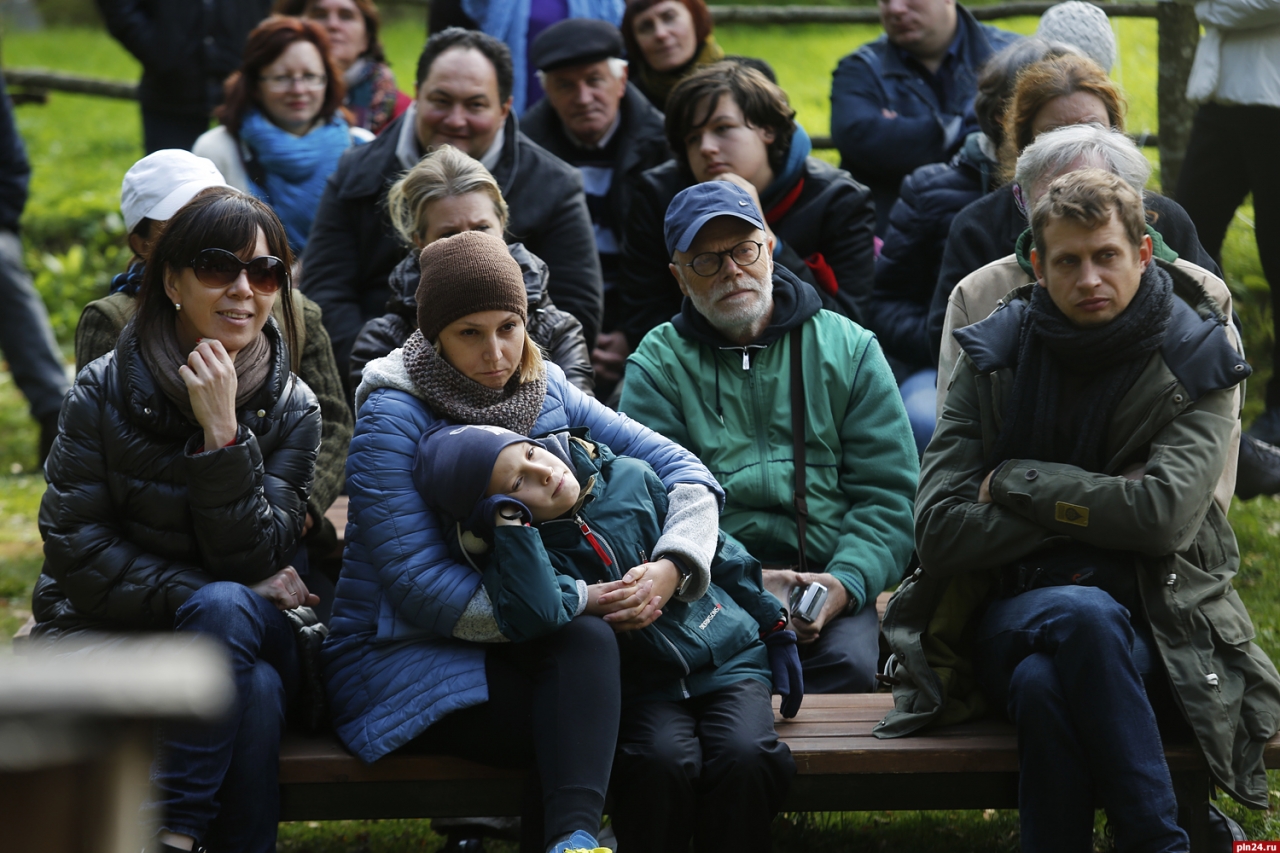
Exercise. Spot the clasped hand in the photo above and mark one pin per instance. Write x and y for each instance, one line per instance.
(634, 601)
(210, 375)
(286, 590)
(781, 582)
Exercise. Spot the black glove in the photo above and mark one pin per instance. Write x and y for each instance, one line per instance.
(480, 522)
(788, 677)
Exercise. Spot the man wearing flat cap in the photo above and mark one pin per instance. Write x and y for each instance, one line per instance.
(596, 121)
(751, 362)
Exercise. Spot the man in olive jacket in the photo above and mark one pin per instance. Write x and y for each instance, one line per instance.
(718, 380)
(1075, 564)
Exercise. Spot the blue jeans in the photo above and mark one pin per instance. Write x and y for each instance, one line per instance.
(218, 783)
(1064, 664)
(26, 336)
(920, 396)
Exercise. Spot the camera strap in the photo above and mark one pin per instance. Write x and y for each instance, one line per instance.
(797, 441)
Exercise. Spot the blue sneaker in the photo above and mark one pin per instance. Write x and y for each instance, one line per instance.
(579, 842)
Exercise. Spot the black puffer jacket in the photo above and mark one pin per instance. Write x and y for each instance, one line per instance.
(557, 332)
(136, 519)
(988, 230)
(907, 268)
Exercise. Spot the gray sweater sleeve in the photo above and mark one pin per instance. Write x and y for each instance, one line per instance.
(691, 531)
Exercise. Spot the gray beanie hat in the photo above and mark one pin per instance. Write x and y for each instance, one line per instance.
(1085, 27)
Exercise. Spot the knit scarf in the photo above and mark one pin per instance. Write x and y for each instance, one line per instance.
(657, 85)
(371, 94)
(450, 394)
(164, 355)
(1109, 358)
(296, 168)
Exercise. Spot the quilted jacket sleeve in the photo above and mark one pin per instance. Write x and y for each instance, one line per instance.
(626, 437)
(403, 539)
(102, 573)
(248, 509)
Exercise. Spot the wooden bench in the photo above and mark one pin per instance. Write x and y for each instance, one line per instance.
(840, 766)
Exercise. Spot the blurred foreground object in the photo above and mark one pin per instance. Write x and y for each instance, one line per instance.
(77, 733)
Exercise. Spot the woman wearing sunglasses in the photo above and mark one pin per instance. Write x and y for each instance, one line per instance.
(177, 489)
(283, 126)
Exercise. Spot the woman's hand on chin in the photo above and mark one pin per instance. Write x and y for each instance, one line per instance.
(210, 374)
(286, 590)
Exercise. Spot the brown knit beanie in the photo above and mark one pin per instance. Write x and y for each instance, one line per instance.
(466, 273)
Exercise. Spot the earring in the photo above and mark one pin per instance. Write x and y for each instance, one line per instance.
(177, 306)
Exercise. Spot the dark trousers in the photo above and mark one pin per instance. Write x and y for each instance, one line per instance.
(1231, 153)
(710, 769)
(1067, 666)
(26, 337)
(218, 783)
(844, 657)
(161, 130)
(553, 705)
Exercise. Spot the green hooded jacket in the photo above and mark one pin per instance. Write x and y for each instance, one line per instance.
(1178, 421)
(731, 405)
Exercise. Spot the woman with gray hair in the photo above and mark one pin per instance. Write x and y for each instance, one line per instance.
(447, 193)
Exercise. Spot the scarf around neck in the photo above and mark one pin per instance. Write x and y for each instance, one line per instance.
(164, 355)
(1109, 359)
(296, 168)
(371, 94)
(450, 394)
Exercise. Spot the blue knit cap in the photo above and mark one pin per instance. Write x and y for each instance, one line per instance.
(454, 463)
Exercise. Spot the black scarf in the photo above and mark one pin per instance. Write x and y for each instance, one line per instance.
(1106, 360)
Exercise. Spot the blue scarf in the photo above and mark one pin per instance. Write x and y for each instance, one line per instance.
(296, 168)
(508, 22)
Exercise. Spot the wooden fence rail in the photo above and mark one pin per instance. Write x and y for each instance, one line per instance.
(1178, 33)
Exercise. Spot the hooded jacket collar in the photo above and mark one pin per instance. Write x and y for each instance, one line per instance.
(794, 302)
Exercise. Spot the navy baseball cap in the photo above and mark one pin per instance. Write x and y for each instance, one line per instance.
(700, 204)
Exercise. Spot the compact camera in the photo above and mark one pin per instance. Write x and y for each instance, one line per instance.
(807, 601)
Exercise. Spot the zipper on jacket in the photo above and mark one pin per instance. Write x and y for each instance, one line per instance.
(602, 551)
(683, 663)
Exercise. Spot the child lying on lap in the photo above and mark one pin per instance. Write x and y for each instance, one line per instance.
(554, 523)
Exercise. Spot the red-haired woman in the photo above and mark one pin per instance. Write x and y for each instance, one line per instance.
(667, 40)
(283, 128)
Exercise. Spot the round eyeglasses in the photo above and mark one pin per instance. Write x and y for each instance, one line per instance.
(220, 268)
(707, 264)
(284, 82)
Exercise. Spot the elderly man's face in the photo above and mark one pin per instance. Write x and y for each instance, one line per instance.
(920, 27)
(458, 103)
(736, 300)
(586, 97)
(1092, 274)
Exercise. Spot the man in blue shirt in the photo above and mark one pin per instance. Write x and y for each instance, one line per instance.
(906, 98)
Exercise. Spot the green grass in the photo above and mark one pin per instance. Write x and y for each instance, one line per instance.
(81, 146)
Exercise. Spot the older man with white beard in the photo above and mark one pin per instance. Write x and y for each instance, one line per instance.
(721, 379)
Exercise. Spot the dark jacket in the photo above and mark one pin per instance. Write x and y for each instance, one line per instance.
(102, 321)
(187, 49)
(642, 144)
(136, 518)
(881, 151)
(832, 216)
(353, 248)
(559, 334)
(988, 230)
(907, 267)
(1178, 420)
(696, 647)
(15, 169)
